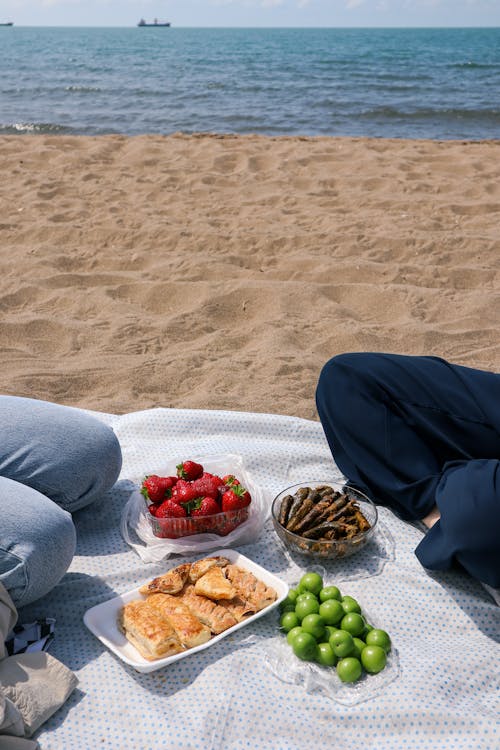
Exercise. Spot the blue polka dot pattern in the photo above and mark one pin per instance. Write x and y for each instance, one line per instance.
(445, 627)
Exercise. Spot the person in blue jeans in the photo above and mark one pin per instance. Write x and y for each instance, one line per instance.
(54, 460)
(422, 436)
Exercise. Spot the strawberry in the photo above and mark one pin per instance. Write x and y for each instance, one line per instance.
(189, 470)
(157, 488)
(169, 509)
(153, 508)
(225, 528)
(235, 498)
(208, 484)
(205, 506)
(229, 480)
(184, 491)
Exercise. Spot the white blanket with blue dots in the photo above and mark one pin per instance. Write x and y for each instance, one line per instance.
(441, 690)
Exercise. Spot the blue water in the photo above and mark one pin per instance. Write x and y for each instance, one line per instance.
(402, 83)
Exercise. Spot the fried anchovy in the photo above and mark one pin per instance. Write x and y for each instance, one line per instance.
(284, 511)
(298, 498)
(345, 530)
(362, 522)
(325, 490)
(317, 531)
(300, 513)
(331, 511)
(346, 508)
(314, 515)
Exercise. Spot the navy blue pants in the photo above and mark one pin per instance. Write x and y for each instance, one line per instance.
(414, 432)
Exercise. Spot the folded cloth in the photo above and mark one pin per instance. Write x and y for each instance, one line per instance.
(37, 684)
(11, 721)
(33, 685)
(8, 618)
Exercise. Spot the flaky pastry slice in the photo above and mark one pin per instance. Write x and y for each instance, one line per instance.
(190, 631)
(150, 633)
(215, 616)
(215, 585)
(250, 588)
(171, 582)
(238, 607)
(200, 567)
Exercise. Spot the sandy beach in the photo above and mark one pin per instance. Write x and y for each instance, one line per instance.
(221, 272)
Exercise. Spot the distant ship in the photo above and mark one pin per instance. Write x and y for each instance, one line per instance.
(7, 23)
(155, 23)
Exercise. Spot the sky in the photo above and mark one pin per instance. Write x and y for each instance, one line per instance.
(260, 13)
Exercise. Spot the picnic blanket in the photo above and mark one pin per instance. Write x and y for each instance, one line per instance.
(441, 691)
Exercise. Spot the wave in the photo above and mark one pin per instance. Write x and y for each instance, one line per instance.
(471, 65)
(34, 127)
(430, 113)
(83, 89)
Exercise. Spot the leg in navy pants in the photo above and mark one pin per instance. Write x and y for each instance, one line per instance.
(414, 433)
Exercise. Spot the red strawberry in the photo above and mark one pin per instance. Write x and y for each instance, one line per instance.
(223, 529)
(153, 508)
(169, 509)
(229, 480)
(184, 492)
(205, 506)
(208, 484)
(189, 470)
(157, 488)
(235, 498)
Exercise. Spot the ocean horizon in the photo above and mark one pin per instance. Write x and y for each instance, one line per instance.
(424, 83)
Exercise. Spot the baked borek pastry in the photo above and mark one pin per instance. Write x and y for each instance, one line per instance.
(189, 603)
(215, 585)
(215, 616)
(190, 631)
(250, 588)
(150, 633)
(200, 567)
(171, 582)
(238, 607)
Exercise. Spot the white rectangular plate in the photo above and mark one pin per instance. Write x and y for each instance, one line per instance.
(102, 620)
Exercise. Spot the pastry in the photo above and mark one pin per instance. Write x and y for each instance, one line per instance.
(250, 588)
(200, 567)
(190, 631)
(238, 607)
(215, 585)
(148, 631)
(187, 605)
(215, 616)
(171, 582)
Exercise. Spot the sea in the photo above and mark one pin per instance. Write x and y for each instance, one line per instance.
(437, 83)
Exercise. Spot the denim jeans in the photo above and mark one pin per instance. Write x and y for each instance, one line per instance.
(53, 460)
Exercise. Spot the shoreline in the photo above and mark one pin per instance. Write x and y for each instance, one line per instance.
(222, 135)
(219, 271)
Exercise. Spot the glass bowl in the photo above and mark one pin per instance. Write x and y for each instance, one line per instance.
(338, 546)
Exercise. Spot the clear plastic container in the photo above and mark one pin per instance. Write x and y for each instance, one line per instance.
(175, 528)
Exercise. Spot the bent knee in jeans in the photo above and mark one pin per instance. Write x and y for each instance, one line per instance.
(37, 542)
(97, 467)
(66, 454)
